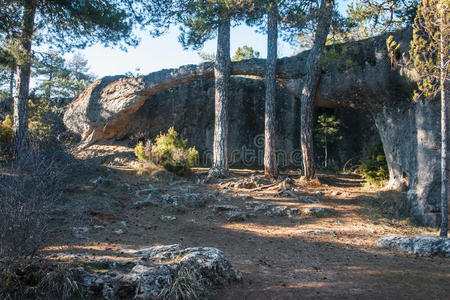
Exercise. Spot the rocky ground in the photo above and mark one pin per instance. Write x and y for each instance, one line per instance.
(287, 238)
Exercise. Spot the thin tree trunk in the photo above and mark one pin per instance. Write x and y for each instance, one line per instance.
(444, 132)
(270, 157)
(222, 81)
(11, 83)
(444, 160)
(326, 152)
(310, 86)
(23, 80)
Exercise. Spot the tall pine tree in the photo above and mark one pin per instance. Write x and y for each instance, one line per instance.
(203, 20)
(310, 85)
(64, 24)
(429, 54)
(269, 16)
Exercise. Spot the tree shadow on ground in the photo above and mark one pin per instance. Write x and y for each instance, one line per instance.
(278, 258)
(293, 267)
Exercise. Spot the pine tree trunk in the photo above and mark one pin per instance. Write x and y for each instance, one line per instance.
(270, 158)
(445, 112)
(222, 81)
(11, 83)
(326, 152)
(444, 159)
(310, 86)
(23, 80)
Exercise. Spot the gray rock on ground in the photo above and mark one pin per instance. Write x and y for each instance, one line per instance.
(153, 269)
(272, 210)
(185, 201)
(256, 206)
(319, 212)
(421, 245)
(167, 218)
(278, 211)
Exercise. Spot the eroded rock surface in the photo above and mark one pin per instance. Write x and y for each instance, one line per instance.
(421, 245)
(362, 78)
(146, 272)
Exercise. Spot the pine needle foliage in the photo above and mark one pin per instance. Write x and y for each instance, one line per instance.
(169, 151)
(374, 166)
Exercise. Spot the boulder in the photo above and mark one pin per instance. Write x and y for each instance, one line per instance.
(150, 271)
(420, 245)
(184, 202)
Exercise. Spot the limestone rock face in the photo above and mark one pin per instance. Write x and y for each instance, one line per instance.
(361, 78)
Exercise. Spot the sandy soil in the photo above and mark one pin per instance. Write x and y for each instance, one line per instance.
(278, 256)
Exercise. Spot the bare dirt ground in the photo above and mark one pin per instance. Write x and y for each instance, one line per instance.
(280, 257)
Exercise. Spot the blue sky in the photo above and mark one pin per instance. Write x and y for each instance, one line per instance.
(164, 52)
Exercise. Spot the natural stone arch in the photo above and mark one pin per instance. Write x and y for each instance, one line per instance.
(361, 77)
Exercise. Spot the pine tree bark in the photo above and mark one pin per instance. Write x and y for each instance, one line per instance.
(270, 157)
(310, 86)
(11, 83)
(23, 80)
(222, 82)
(445, 112)
(326, 152)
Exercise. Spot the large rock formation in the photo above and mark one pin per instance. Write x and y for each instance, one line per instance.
(356, 75)
(189, 107)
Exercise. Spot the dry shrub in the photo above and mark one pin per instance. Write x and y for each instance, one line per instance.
(60, 282)
(185, 285)
(29, 190)
(39, 279)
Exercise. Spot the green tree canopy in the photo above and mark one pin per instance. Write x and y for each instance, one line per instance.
(68, 24)
(59, 77)
(65, 25)
(245, 52)
(241, 53)
(200, 19)
(327, 132)
(368, 18)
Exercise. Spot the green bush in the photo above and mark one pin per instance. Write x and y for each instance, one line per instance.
(45, 123)
(139, 151)
(169, 151)
(6, 135)
(374, 166)
(39, 124)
